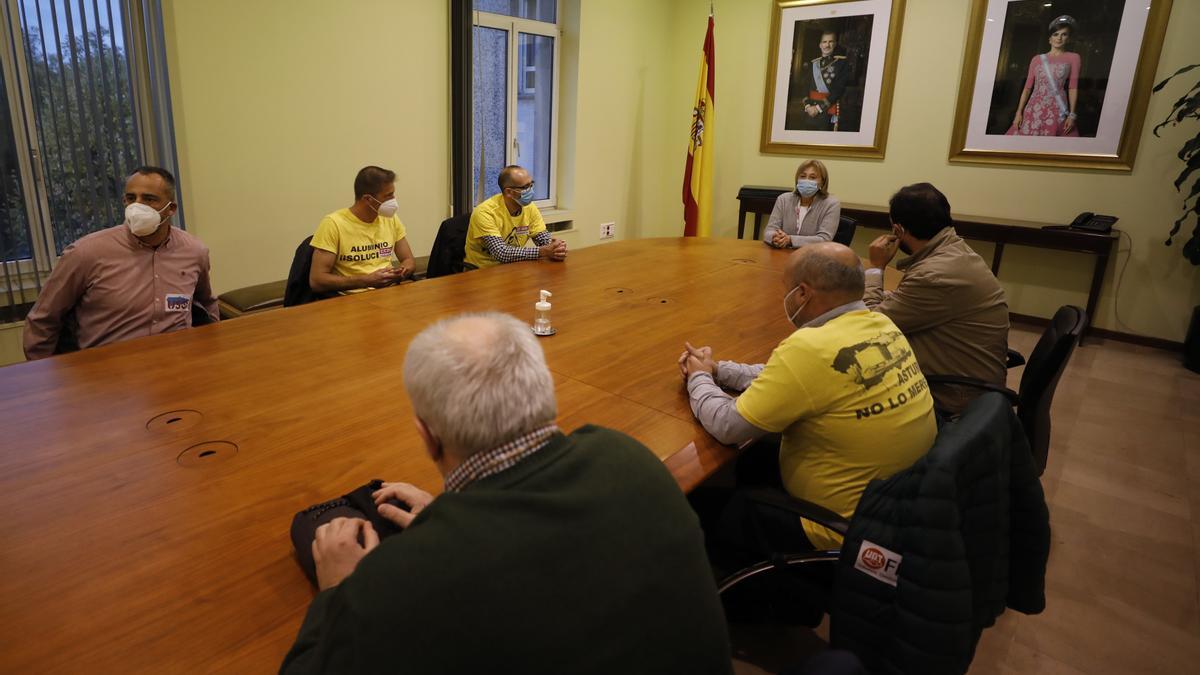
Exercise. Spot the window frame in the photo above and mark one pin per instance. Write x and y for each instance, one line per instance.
(150, 98)
(514, 26)
(29, 150)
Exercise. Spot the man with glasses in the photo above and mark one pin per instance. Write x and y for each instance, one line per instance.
(502, 226)
(138, 278)
(354, 248)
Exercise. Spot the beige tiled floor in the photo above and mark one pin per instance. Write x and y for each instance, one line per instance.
(1123, 486)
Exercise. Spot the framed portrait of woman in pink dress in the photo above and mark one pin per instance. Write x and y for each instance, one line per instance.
(1057, 84)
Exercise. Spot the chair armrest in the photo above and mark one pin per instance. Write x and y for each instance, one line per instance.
(1014, 359)
(806, 510)
(777, 562)
(972, 382)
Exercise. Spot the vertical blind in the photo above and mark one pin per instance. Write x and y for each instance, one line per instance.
(70, 116)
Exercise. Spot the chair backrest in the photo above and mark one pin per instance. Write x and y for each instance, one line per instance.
(449, 248)
(297, 291)
(845, 231)
(1042, 372)
(68, 340)
(200, 315)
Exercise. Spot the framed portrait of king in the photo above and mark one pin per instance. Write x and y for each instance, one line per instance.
(1061, 83)
(831, 66)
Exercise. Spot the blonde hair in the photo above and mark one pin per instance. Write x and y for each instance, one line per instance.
(817, 164)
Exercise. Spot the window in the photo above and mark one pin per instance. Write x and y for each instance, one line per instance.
(78, 104)
(514, 102)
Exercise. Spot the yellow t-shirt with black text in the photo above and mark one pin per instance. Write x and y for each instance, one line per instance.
(492, 219)
(852, 405)
(361, 248)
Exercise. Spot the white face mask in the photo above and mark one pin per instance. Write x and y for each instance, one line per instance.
(387, 209)
(143, 220)
(792, 317)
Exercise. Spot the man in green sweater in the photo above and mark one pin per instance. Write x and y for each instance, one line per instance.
(546, 553)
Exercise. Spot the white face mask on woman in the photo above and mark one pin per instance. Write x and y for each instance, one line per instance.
(143, 220)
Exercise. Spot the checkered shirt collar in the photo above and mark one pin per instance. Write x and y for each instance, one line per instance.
(491, 462)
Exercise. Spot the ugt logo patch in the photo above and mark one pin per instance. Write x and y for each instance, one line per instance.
(178, 302)
(878, 562)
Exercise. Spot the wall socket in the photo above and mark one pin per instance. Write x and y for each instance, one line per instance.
(608, 230)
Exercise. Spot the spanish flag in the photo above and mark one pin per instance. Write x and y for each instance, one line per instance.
(697, 173)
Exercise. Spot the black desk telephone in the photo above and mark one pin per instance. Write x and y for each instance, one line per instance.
(1093, 222)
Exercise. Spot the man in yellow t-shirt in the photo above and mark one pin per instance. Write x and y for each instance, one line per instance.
(353, 248)
(502, 226)
(844, 390)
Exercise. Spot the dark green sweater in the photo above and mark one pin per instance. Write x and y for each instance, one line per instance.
(583, 558)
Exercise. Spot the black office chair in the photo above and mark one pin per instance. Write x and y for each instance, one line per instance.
(845, 231)
(970, 526)
(449, 248)
(297, 291)
(1046, 364)
(200, 316)
(1013, 358)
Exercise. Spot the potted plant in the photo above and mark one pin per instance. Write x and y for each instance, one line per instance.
(1187, 106)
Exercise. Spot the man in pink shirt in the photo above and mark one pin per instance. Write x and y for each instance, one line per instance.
(138, 278)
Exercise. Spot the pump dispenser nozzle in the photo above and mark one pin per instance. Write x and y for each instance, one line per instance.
(541, 314)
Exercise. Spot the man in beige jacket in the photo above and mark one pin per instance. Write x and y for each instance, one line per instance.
(948, 304)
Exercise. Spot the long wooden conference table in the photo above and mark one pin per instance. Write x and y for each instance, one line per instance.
(147, 487)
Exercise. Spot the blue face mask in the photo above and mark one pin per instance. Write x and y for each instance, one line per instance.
(526, 197)
(807, 188)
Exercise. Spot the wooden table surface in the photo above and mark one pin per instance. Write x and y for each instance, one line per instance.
(125, 550)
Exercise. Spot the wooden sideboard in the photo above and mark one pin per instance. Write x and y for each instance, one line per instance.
(759, 200)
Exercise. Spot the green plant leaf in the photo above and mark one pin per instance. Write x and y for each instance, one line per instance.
(1176, 107)
(1188, 110)
(1193, 163)
(1181, 71)
(1195, 190)
(1195, 208)
(1191, 93)
(1175, 227)
(1189, 148)
(1191, 249)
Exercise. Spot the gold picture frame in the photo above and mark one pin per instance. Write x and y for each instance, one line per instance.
(868, 42)
(1107, 122)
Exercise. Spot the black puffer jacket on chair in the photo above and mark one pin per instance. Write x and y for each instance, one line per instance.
(936, 552)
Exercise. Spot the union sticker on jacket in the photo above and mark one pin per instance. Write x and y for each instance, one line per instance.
(178, 302)
(878, 562)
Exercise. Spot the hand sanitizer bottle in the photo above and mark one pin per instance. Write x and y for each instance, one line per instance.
(541, 315)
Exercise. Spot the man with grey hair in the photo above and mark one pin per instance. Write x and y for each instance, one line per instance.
(139, 278)
(546, 553)
(844, 390)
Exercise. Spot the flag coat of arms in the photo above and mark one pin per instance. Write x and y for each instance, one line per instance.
(697, 173)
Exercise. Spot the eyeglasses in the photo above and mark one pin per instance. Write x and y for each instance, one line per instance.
(521, 188)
